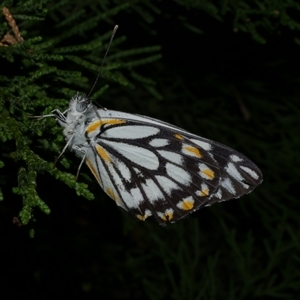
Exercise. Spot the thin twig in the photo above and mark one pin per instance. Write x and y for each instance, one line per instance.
(12, 23)
(9, 39)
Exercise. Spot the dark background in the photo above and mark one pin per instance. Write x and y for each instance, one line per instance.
(229, 72)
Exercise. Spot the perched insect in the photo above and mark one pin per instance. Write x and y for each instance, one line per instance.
(152, 168)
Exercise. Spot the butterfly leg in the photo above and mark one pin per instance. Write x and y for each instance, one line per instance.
(64, 149)
(57, 114)
(80, 165)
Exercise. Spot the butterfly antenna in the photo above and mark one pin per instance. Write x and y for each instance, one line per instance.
(101, 67)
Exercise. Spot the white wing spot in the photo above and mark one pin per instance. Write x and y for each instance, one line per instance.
(252, 173)
(137, 171)
(218, 194)
(204, 186)
(116, 177)
(138, 155)
(159, 142)
(124, 171)
(133, 198)
(152, 191)
(227, 184)
(171, 156)
(178, 174)
(233, 172)
(136, 194)
(235, 158)
(203, 145)
(167, 184)
(131, 132)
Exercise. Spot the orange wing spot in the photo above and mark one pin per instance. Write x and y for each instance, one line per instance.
(93, 170)
(209, 173)
(178, 136)
(194, 151)
(111, 194)
(204, 192)
(103, 153)
(186, 204)
(162, 216)
(169, 213)
(98, 123)
(140, 217)
(145, 216)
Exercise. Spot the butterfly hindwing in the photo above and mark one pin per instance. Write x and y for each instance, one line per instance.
(153, 168)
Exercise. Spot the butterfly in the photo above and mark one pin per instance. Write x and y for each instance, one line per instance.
(150, 167)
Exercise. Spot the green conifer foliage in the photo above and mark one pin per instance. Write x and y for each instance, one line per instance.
(37, 78)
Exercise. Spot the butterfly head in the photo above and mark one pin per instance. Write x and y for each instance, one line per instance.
(80, 108)
(79, 104)
(79, 111)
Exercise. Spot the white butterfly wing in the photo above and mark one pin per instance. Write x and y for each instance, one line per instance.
(150, 167)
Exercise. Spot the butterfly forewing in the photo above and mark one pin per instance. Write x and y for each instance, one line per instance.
(152, 168)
